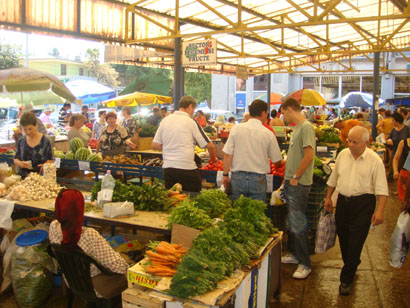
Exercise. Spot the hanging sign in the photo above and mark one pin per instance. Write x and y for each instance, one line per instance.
(201, 52)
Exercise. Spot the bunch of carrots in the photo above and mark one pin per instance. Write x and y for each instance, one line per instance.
(176, 197)
(164, 257)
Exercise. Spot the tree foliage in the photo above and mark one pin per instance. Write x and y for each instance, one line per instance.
(105, 73)
(54, 52)
(9, 56)
(198, 85)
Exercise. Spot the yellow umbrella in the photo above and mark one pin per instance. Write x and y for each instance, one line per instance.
(307, 97)
(138, 98)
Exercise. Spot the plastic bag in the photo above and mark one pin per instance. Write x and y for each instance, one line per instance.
(4, 171)
(400, 240)
(326, 232)
(276, 198)
(115, 209)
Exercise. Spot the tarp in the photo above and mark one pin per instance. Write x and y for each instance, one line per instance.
(90, 92)
(137, 98)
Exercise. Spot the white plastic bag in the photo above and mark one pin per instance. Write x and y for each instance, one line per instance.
(115, 209)
(400, 240)
(276, 198)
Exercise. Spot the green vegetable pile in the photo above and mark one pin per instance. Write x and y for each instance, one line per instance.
(209, 129)
(147, 130)
(187, 214)
(221, 249)
(214, 202)
(145, 197)
(328, 134)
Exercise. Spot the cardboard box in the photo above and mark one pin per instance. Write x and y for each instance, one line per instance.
(137, 276)
(144, 143)
(183, 235)
(139, 297)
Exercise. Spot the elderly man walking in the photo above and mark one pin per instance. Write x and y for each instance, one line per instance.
(359, 177)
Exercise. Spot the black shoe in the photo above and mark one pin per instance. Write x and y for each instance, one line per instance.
(345, 288)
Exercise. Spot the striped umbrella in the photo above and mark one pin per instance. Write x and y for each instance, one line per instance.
(307, 97)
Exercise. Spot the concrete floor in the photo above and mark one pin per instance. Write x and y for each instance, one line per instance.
(377, 284)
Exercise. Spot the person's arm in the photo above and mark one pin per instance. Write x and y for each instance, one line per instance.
(328, 199)
(227, 168)
(212, 152)
(406, 203)
(396, 159)
(156, 146)
(308, 156)
(131, 144)
(378, 215)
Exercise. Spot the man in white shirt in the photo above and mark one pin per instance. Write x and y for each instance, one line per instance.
(247, 151)
(359, 177)
(177, 136)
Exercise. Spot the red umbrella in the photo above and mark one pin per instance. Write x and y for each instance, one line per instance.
(275, 98)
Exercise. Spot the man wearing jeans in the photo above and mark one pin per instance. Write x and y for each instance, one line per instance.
(298, 179)
(247, 152)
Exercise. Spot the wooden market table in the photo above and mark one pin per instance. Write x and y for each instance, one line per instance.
(155, 222)
(258, 284)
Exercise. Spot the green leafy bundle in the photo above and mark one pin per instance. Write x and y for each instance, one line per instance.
(119, 194)
(214, 202)
(187, 214)
(150, 197)
(147, 130)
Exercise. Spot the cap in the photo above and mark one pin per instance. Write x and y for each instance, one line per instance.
(28, 108)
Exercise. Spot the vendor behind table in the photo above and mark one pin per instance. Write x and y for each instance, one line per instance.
(76, 123)
(33, 149)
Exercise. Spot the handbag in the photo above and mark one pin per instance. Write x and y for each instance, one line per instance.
(400, 240)
(326, 232)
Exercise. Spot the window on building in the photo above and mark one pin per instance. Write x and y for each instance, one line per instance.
(81, 71)
(311, 83)
(240, 84)
(367, 84)
(330, 87)
(401, 86)
(260, 83)
(63, 69)
(350, 84)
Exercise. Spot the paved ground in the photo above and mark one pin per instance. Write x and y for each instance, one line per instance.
(377, 284)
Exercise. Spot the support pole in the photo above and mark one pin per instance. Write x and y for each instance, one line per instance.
(269, 91)
(178, 74)
(376, 68)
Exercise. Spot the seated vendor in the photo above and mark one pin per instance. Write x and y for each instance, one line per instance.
(68, 231)
(32, 150)
(114, 138)
(76, 123)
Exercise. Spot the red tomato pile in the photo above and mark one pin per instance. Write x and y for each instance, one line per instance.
(216, 166)
(279, 171)
(93, 143)
(5, 149)
(89, 125)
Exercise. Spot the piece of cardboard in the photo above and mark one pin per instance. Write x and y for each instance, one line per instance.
(183, 235)
(144, 143)
(140, 296)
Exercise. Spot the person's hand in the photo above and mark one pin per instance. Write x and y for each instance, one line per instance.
(395, 175)
(24, 165)
(213, 160)
(225, 180)
(405, 206)
(294, 182)
(328, 204)
(377, 218)
(389, 142)
(132, 145)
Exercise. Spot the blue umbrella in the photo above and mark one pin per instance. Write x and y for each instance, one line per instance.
(90, 92)
(358, 99)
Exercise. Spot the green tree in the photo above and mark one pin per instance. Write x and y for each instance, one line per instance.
(54, 52)
(198, 85)
(105, 73)
(9, 56)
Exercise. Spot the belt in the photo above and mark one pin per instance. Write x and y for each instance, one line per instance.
(354, 198)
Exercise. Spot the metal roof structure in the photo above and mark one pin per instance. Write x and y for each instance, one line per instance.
(261, 36)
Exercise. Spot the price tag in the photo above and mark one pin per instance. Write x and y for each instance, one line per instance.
(84, 165)
(106, 194)
(321, 149)
(57, 162)
(269, 181)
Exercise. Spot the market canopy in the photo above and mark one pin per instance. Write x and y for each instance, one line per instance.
(22, 80)
(90, 92)
(138, 99)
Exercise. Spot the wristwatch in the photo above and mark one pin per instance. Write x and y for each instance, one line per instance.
(225, 174)
(295, 177)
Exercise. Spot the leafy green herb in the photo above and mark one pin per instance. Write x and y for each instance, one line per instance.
(188, 215)
(214, 202)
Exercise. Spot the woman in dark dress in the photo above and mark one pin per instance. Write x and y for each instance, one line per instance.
(32, 150)
(114, 138)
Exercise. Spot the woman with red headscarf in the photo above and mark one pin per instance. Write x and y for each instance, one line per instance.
(68, 231)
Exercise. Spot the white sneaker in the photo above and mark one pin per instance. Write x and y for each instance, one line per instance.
(290, 259)
(301, 273)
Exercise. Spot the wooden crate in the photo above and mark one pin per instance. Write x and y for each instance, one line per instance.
(138, 296)
(145, 143)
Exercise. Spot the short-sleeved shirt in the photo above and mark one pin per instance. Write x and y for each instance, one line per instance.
(61, 116)
(154, 119)
(113, 143)
(41, 153)
(78, 133)
(303, 136)
(251, 146)
(97, 127)
(130, 125)
(45, 118)
(179, 133)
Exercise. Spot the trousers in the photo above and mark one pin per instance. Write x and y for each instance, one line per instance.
(249, 184)
(353, 218)
(189, 179)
